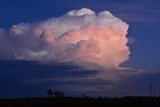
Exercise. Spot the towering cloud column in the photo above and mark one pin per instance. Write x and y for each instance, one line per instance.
(81, 36)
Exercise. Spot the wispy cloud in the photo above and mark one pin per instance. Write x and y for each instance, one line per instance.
(144, 11)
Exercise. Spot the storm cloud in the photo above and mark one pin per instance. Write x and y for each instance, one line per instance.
(81, 36)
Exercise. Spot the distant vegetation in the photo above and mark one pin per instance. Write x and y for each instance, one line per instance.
(55, 94)
(57, 98)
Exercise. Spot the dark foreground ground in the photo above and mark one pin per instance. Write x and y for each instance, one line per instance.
(82, 102)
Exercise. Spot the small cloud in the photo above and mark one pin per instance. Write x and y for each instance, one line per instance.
(131, 40)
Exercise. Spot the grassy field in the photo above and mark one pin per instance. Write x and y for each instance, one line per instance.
(72, 101)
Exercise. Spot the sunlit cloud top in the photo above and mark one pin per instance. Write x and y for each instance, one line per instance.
(81, 36)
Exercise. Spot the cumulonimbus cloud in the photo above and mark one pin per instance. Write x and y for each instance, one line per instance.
(81, 36)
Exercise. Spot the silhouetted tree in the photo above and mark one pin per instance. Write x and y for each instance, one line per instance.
(50, 93)
(58, 94)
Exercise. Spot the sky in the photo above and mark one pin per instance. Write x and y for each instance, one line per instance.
(143, 18)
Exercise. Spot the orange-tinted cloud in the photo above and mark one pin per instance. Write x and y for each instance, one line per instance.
(81, 36)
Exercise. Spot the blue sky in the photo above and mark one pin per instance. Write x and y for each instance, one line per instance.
(143, 17)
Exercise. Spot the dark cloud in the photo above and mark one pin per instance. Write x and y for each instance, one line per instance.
(19, 76)
(33, 78)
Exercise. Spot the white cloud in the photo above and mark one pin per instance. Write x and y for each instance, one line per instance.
(79, 35)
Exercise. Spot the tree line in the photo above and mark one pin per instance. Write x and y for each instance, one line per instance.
(56, 94)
